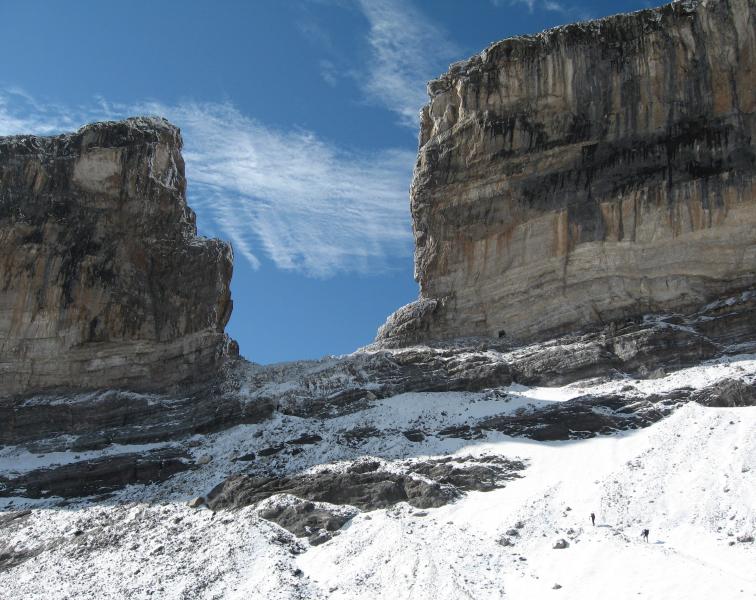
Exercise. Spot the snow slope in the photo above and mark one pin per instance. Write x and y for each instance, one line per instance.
(690, 478)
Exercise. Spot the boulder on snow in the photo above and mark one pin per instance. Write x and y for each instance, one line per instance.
(414, 435)
(561, 544)
(745, 538)
(196, 502)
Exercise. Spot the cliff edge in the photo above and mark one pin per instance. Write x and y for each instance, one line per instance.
(588, 174)
(103, 280)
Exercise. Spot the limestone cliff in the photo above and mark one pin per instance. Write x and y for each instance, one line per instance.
(103, 280)
(586, 174)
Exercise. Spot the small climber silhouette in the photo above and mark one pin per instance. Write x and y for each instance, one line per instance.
(593, 519)
(644, 534)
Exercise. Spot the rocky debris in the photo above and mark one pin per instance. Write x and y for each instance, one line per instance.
(584, 417)
(95, 420)
(730, 392)
(369, 484)
(12, 556)
(745, 539)
(99, 476)
(250, 456)
(464, 432)
(414, 435)
(306, 439)
(561, 182)
(357, 435)
(513, 532)
(104, 282)
(365, 465)
(13, 518)
(333, 387)
(468, 473)
(561, 544)
(318, 522)
(270, 451)
(589, 416)
(637, 348)
(364, 490)
(579, 418)
(12, 553)
(196, 502)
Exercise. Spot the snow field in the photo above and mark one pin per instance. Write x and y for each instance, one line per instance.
(690, 479)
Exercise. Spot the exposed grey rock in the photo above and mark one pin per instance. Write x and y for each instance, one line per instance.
(112, 416)
(414, 435)
(305, 439)
(366, 491)
(270, 451)
(250, 456)
(93, 477)
(561, 544)
(12, 556)
(196, 502)
(367, 485)
(480, 474)
(730, 392)
(357, 435)
(304, 519)
(590, 173)
(103, 280)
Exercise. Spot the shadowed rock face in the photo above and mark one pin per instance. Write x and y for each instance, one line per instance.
(103, 280)
(590, 173)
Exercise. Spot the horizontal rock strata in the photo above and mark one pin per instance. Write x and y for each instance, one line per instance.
(246, 393)
(590, 173)
(103, 280)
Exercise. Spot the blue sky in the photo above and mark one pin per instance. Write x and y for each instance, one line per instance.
(300, 130)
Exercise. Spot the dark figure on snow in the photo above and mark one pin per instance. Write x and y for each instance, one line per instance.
(644, 534)
(593, 519)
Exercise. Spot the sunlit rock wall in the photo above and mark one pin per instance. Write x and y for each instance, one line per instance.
(586, 174)
(103, 280)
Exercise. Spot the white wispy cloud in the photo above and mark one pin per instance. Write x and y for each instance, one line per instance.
(554, 6)
(529, 3)
(407, 50)
(304, 203)
(574, 12)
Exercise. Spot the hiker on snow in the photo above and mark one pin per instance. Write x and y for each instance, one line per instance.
(593, 519)
(644, 534)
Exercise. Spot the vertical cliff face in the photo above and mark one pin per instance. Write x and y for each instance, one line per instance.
(585, 174)
(103, 280)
